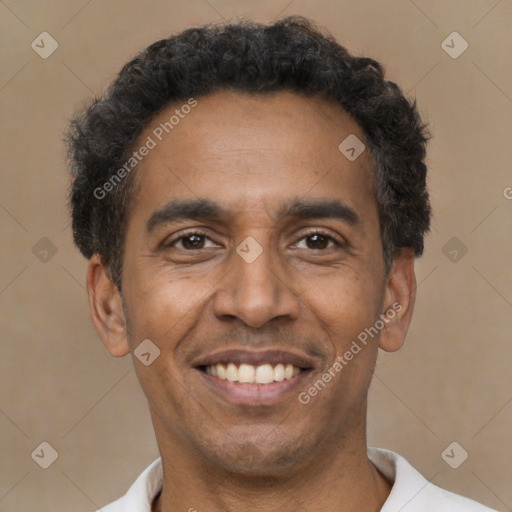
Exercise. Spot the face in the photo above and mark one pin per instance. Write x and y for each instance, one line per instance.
(254, 242)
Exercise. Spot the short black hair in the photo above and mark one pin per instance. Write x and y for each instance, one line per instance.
(291, 54)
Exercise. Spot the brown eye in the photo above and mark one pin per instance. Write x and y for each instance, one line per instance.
(317, 240)
(193, 241)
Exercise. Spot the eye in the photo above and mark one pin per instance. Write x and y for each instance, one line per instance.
(196, 240)
(190, 241)
(320, 240)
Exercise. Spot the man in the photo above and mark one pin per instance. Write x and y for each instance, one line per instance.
(252, 199)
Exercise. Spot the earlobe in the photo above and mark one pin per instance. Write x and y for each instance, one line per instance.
(399, 301)
(106, 308)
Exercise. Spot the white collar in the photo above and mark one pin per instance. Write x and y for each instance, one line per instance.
(411, 492)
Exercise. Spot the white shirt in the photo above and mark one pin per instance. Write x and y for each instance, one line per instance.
(411, 492)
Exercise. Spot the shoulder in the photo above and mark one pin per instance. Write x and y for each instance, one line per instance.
(411, 492)
(140, 495)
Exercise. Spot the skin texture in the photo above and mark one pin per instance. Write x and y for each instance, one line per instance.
(251, 155)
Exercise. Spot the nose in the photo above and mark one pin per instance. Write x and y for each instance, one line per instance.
(256, 292)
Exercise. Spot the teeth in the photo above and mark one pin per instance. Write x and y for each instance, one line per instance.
(250, 374)
(221, 371)
(246, 373)
(279, 372)
(232, 372)
(264, 374)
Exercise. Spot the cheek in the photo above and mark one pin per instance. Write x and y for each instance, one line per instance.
(163, 308)
(163, 304)
(346, 303)
(345, 306)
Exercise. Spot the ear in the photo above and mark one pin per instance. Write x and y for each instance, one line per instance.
(398, 304)
(106, 308)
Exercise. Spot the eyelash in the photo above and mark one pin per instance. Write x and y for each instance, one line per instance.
(305, 235)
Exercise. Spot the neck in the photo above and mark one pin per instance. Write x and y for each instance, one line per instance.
(339, 477)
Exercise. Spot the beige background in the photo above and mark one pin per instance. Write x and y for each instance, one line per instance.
(451, 381)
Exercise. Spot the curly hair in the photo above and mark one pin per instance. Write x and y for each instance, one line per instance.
(291, 54)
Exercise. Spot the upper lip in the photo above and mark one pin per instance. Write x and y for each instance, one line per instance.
(237, 356)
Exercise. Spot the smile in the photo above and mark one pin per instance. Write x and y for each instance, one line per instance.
(254, 378)
(251, 374)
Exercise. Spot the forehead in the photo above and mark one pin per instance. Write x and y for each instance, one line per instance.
(251, 150)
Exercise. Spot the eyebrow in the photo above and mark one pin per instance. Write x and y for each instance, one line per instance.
(206, 209)
(195, 209)
(319, 209)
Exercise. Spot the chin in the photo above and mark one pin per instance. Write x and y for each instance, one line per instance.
(261, 457)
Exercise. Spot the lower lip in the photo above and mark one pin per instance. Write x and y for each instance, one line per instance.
(255, 394)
